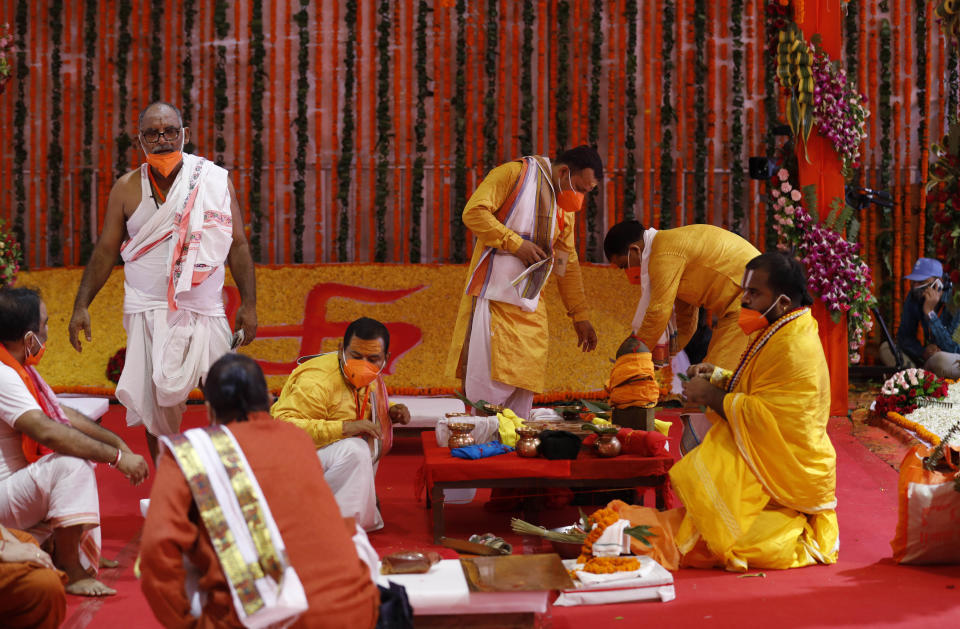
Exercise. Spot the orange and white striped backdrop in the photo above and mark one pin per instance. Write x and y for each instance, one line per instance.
(327, 33)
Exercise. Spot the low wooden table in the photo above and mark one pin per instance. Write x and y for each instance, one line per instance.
(443, 471)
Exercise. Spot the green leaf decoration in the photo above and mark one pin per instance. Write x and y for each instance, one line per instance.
(641, 533)
(594, 406)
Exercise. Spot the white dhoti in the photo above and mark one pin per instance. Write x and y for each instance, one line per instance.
(164, 363)
(349, 470)
(477, 383)
(173, 303)
(56, 491)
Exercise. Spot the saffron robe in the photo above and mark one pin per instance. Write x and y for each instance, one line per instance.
(759, 492)
(319, 541)
(518, 339)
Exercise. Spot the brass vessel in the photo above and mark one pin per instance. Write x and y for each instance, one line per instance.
(608, 445)
(460, 434)
(528, 444)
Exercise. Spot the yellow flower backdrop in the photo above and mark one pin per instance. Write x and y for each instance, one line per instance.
(415, 300)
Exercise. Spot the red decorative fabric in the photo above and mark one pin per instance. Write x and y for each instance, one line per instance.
(439, 465)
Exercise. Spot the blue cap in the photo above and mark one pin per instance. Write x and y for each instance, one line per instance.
(926, 268)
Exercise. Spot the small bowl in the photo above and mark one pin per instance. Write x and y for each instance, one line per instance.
(461, 426)
(566, 550)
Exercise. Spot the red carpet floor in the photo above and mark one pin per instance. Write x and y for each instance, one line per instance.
(864, 589)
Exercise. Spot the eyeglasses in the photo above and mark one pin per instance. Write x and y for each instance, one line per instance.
(152, 136)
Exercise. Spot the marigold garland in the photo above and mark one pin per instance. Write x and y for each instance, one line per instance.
(562, 112)
(19, 125)
(89, 89)
(668, 118)
(914, 427)
(156, 49)
(700, 111)
(526, 80)
(490, 126)
(458, 248)
(258, 87)
(599, 520)
(345, 163)
(301, 19)
(420, 132)
(630, 143)
(610, 565)
(592, 210)
(186, 90)
(220, 99)
(123, 141)
(736, 115)
(55, 147)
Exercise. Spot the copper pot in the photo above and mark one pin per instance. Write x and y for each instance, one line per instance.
(528, 444)
(608, 445)
(460, 435)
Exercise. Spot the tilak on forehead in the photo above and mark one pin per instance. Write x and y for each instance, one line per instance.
(364, 346)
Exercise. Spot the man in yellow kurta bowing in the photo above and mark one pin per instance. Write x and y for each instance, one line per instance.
(759, 492)
(680, 270)
(522, 214)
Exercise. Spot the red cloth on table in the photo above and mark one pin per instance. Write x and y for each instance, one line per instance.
(439, 466)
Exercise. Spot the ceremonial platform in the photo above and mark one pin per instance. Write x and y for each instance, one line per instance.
(864, 589)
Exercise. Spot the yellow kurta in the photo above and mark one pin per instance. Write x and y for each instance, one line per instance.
(318, 399)
(693, 266)
(759, 492)
(518, 343)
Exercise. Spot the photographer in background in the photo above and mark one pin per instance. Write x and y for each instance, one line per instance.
(925, 305)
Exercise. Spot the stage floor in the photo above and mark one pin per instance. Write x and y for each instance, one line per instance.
(864, 589)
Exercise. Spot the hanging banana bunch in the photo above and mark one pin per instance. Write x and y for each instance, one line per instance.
(948, 12)
(795, 72)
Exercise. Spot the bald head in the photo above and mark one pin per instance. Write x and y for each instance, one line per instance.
(158, 107)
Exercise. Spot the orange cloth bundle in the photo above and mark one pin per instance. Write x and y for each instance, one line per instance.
(632, 382)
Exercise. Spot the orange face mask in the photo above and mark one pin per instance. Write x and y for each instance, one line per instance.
(634, 273)
(570, 200)
(751, 321)
(32, 360)
(357, 371)
(164, 163)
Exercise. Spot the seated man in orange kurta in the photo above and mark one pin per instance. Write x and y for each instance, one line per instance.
(31, 588)
(292, 559)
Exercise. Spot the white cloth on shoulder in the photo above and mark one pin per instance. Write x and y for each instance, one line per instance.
(173, 283)
(283, 600)
(522, 219)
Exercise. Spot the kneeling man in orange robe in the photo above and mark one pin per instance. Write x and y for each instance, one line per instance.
(242, 528)
(759, 492)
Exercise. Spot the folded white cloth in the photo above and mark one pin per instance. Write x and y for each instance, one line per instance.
(545, 415)
(652, 583)
(613, 542)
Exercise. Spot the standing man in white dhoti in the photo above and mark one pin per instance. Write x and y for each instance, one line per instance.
(523, 214)
(341, 401)
(175, 221)
(47, 485)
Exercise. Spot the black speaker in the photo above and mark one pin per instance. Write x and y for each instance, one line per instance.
(761, 168)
